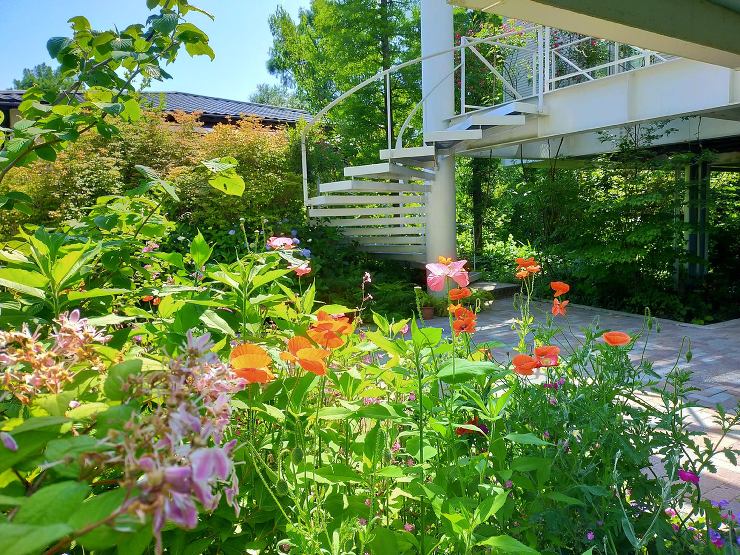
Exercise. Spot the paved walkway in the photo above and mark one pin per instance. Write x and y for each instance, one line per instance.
(715, 362)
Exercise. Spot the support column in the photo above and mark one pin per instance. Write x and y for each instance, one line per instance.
(437, 35)
(695, 215)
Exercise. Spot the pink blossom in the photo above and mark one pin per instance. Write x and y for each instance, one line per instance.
(687, 476)
(300, 269)
(396, 446)
(280, 243)
(150, 246)
(438, 272)
(409, 527)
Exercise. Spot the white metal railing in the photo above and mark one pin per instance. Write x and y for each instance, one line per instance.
(526, 62)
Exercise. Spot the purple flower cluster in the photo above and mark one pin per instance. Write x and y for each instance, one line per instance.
(554, 385)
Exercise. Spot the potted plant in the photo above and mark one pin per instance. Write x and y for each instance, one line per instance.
(424, 303)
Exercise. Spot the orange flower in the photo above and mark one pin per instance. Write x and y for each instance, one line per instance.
(301, 351)
(559, 287)
(616, 338)
(522, 274)
(533, 269)
(547, 355)
(453, 308)
(466, 325)
(444, 260)
(156, 301)
(462, 313)
(460, 293)
(147, 298)
(524, 365)
(327, 330)
(558, 307)
(252, 363)
(525, 262)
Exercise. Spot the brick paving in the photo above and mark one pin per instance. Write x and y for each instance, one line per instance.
(715, 364)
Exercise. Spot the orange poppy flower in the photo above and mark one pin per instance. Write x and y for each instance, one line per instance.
(547, 355)
(147, 298)
(466, 325)
(522, 274)
(524, 365)
(156, 301)
(252, 363)
(453, 308)
(559, 287)
(462, 313)
(525, 262)
(533, 269)
(460, 293)
(558, 307)
(337, 324)
(302, 352)
(616, 338)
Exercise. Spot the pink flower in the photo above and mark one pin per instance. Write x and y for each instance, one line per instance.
(687, 476)
(409, 527)
(405, 329)
(280, 243)
(362, 521)
(438, 272)
(590, 535)
(301, 269)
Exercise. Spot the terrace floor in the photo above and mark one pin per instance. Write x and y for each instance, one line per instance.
(715, 363)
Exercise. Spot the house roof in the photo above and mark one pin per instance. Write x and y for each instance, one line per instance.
(213, 109)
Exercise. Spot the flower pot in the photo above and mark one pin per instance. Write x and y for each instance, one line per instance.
(427, 312)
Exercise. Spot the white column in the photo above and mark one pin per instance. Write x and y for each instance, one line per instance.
(437, 35)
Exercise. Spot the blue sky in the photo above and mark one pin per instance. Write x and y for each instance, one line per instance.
(240, 36)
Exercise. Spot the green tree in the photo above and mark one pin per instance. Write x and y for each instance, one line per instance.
(103, 67)
(336, 44)
(43, 76)
(275, 95)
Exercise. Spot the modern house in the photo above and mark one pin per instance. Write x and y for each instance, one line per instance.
(212, 110)
(669, 61)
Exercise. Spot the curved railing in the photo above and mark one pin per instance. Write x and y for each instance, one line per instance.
(545, 59)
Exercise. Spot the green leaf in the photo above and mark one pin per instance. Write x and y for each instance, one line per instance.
(56, 44)
(23, 281)
(565, 499)
(384, 541)
(23, 539)
(339, 474)
(214, 321)
(46, 152)
(460, 370)
(52, 504)
(507, 544)
(526, 439)
(231, 184)
(200, 251)
(93, 510)
(425, 337)
(490, 506)
(118, 375)
(98, 292)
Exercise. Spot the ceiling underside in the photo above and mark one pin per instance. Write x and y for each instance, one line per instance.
(703, 30)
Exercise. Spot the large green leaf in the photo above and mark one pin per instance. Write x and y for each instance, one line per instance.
(507, 544)
(23, 281)
(118, 375)
(52, 504)
(460, 370)
(23, 539)
(526, 439)
(200, 250)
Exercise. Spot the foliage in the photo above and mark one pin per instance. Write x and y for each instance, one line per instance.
(128, 428)
(102, 67)
(42, 76)
(275, 95)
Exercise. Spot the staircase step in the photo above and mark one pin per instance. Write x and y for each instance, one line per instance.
(361, 186)
(387, 232)
(345, 200)
(407, 249)
(500, 290)
(341, 212)
(517, 107)
(365, 222)
(387, 170)
(453, 135)
(392, 240)
(488, 120)
(415, 155)
(413, 259)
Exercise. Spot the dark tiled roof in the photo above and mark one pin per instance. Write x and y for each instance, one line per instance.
(212, 108)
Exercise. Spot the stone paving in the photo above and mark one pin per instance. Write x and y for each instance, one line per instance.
(715, 362)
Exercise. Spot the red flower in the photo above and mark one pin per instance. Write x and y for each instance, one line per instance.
(524, 365)
(559, 287)
(482, 428)
(616, 338)
(558, 307)
(460, 293)
(547, 355)
(464, 326)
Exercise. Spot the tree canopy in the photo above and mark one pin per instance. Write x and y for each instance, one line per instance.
(44, 76)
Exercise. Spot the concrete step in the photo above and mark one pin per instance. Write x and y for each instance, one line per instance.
(388, 170)
(422, 156)
(364, 211)
(353, 200)
(362, 186)
(500, 290)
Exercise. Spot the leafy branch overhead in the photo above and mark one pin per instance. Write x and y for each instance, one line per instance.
(104, 69)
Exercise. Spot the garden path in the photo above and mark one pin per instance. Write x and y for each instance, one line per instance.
(715, 362)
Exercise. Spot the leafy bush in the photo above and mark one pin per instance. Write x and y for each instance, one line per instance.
(166, 400)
